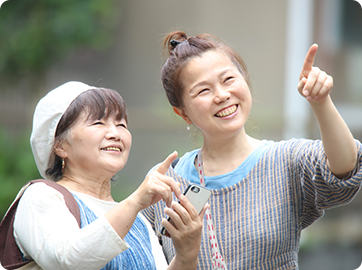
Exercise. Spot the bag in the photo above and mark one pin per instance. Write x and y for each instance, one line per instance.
(10, 254)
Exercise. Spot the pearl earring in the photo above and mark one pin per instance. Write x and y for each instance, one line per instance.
(188, 127)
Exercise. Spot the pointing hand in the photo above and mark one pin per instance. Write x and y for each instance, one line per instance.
(314, 84)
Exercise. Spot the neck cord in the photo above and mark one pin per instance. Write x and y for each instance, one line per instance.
(217, 260)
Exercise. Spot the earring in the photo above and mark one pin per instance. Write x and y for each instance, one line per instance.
(63, 164)
(188, 127)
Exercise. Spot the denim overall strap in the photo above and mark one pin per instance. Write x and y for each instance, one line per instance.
(138, 255)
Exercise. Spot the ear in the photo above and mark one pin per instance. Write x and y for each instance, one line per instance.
(182, 113)
(60, 150)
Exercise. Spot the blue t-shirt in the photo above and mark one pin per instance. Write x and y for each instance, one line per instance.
(186, 168)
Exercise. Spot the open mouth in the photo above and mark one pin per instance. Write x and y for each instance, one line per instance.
(226, 112)
(112, 149)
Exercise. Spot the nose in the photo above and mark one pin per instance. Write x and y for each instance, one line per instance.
(113, 133)
(221, 95)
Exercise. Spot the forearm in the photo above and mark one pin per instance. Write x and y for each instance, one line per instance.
(122, 216)
(338, 142)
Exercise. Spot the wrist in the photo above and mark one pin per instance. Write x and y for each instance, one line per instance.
(320, 103)
(183, 262)
(133, 203)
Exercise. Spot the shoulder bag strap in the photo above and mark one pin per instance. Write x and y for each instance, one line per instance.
(10, 254)
(70, 202)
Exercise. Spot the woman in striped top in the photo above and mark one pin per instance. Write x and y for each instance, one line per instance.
(263, 192)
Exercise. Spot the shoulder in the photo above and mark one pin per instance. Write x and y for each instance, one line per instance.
(295, 144)
(180, 161)
(40, 201)
(42, 208)
(39, 192)
(187, 159)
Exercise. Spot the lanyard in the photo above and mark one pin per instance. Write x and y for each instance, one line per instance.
(217, 260)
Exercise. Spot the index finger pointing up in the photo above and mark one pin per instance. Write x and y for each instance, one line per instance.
(309, 61)
(167, 163)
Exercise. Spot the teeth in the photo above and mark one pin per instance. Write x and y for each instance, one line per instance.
(111, 149)
(226, 112)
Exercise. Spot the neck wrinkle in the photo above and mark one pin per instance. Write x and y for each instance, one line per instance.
(97, 189)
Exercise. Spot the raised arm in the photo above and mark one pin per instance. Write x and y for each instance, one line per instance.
(155, 187)
(339, 145)
(187, 223)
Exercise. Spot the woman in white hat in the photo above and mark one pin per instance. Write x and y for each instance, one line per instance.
(80, 140)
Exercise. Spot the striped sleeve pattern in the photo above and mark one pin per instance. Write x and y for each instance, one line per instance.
(259, 220)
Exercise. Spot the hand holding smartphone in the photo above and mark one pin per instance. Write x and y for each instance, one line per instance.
(198, 196)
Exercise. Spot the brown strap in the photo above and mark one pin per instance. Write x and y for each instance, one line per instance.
(70, 202)
(10, 254)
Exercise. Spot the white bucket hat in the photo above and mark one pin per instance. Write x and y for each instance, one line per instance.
(46, 118)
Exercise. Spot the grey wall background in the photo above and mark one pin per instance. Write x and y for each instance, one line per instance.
(258, 30)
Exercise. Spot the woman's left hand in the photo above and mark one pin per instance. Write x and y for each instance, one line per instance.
(314, 84)
(185, 228)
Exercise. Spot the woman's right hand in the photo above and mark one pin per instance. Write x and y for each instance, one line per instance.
(157, 186)
(185, 227)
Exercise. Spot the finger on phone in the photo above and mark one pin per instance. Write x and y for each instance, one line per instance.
(166, 226)
(189, 207)
(203, 211)
(180, 213)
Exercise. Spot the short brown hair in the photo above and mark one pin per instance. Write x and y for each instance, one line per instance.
(98, 103)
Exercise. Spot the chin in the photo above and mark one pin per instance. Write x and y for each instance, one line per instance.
(115, 168)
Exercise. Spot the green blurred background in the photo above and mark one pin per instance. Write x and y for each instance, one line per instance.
(117, 44)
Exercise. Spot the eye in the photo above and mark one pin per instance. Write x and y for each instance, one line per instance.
(98, 123)
(203, 91)
(228, 79)
(122, 125)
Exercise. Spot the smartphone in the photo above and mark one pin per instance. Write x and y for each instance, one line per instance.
(198, 196)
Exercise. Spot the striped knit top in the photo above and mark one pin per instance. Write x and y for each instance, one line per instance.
(259, 219)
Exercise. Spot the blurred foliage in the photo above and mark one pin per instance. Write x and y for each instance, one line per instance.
(17, 166)
(35, 33)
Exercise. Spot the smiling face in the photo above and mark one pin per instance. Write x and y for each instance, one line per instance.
(216, 96)
(96, 148)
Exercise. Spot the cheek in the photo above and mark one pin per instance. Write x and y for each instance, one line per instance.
(245, 93)
(127, 140)
(129, 143)
(248, 96)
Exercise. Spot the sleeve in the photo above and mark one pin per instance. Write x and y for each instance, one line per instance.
(157, 252)
(321, 189)
(46, 231)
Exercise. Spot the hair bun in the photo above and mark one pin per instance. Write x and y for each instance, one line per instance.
(174, 43)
